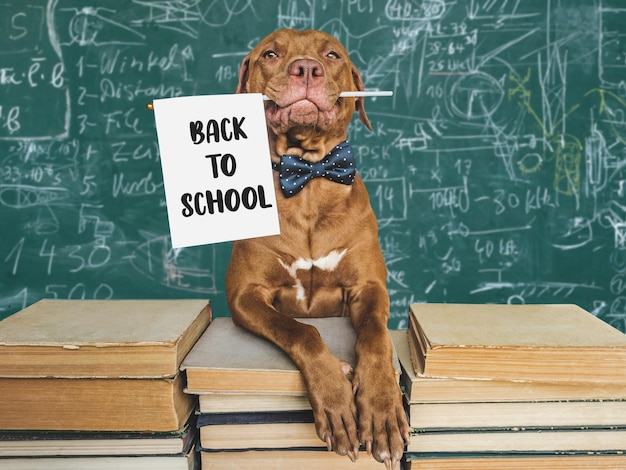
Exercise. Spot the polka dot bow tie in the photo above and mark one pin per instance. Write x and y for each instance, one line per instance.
(338, 166)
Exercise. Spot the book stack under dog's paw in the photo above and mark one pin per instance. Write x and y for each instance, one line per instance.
(96, 384)
(254, 411)
(513, 386)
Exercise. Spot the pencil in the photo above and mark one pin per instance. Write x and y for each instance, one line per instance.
(356, 94)
(343, 94)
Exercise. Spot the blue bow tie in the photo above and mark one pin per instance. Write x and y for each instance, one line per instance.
(295, 172)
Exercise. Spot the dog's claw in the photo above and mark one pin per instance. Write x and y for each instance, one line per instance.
(391, 463)
(329, 443)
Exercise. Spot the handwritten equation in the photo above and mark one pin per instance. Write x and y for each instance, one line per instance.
(497, 170)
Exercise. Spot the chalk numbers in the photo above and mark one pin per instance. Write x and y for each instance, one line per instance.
(82, 256)
(79, 291)
(25, 256)
(225, 73)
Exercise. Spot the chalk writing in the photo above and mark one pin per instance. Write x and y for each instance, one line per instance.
(497, 170)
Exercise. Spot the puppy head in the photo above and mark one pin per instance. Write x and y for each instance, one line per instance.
(302, 73)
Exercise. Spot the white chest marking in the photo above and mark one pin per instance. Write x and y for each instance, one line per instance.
(325, 263)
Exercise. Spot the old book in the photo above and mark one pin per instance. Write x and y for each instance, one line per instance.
(543, 440)
(420, 389)
(244, 402)
(550, 343)
(516, 461)
(188, 461)
(228, 358)
(286, 460)
(248, 431)
(560, 414)
(75, 443)
(95, 404)
(101, 338)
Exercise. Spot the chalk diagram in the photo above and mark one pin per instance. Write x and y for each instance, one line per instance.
(504, 142)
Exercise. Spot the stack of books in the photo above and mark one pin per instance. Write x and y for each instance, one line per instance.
(96, 384)
(254, 411)
(514, 386)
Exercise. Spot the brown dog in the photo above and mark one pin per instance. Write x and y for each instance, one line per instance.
(327, 259)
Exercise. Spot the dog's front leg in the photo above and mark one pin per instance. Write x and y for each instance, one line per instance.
(326, 377)
(383, 426)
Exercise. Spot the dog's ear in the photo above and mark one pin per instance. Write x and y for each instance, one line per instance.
(360, 101)
(242, 86)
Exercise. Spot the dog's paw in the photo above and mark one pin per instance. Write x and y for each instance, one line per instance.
(334, 409)
(383, 426)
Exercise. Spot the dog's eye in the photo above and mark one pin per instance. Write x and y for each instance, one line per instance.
(270, 54)
(332, 55)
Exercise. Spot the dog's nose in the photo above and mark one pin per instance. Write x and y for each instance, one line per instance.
(306, 69)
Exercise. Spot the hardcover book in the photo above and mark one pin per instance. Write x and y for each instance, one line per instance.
(421, 389)
(101, 338)
(286, 460)
(97, 443)
(541, 440)
(95, 404)
(228, 358)
(550, 343)
(516, 461)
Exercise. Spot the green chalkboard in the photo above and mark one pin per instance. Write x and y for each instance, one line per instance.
(497, 169)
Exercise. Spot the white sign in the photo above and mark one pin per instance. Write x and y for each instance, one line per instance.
(216, 168)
